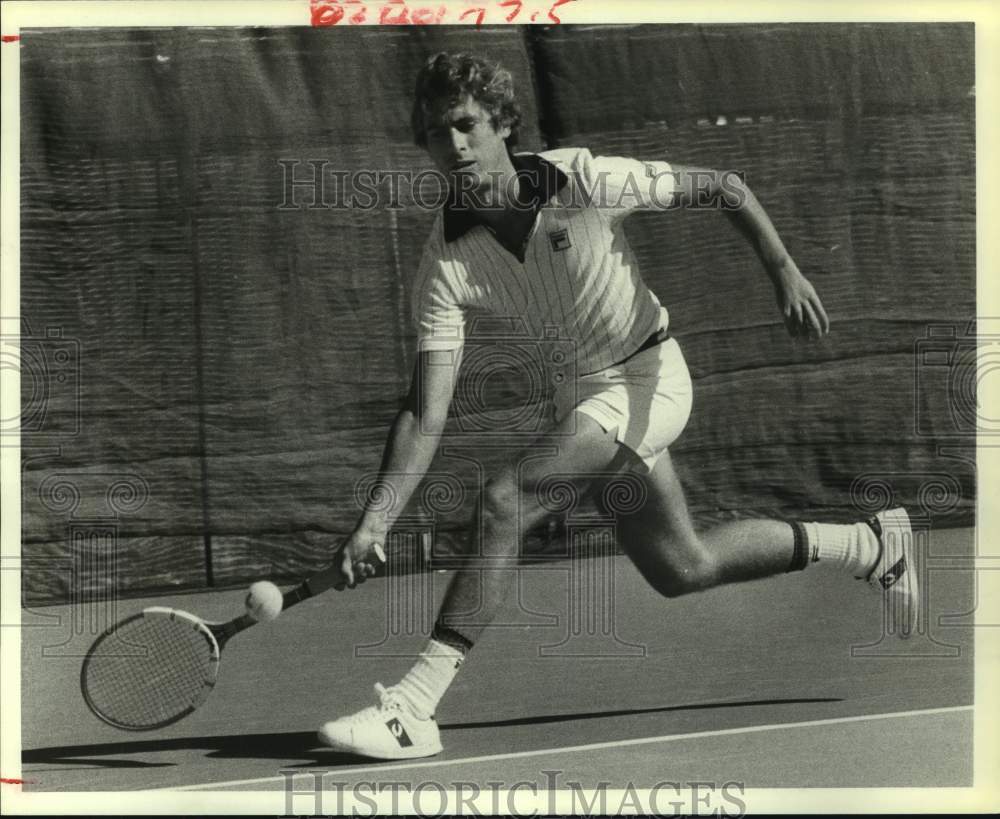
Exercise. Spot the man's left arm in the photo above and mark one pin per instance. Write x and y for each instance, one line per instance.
(797, 299)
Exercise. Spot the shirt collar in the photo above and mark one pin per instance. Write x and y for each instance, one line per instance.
(540, 181)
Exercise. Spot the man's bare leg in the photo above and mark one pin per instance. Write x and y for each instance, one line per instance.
(402, 726)
(661, 540)
(509, 507)
(659, 537)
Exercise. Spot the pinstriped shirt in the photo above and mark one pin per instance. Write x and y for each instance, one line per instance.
(575, 276)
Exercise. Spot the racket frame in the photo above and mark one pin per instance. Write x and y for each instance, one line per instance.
(216, 634)
(210, 632)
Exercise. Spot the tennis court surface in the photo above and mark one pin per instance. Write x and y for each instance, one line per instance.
(787, 682)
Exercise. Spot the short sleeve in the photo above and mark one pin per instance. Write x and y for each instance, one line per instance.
(618, 185)
(437, 312)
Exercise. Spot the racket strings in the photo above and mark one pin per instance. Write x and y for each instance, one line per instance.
(150, 671)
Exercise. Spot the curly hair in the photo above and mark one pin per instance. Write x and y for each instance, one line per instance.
(446, 78)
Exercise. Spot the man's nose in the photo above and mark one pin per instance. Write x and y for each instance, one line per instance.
(459, 141)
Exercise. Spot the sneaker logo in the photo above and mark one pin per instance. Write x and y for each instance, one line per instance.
(896, 572)
(399, 732)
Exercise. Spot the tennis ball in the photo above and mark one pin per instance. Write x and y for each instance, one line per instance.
(264, 601)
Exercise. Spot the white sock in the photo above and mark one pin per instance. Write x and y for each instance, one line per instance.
(426, 682)
(853, 548)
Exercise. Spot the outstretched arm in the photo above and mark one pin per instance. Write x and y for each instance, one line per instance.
(797, 299)
(409, 450)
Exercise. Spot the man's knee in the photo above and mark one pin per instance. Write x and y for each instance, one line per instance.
(506, 503)
(500, 499)
(675, 572)
(679, 584)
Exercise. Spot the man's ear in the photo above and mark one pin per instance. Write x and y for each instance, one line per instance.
(503, 131)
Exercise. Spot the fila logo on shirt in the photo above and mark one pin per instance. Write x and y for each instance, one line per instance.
(560, 239)
(397, 730)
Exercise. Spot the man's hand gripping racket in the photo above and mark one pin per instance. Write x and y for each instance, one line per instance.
(156, 667)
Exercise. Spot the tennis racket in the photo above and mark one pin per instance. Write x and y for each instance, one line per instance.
(156, 667)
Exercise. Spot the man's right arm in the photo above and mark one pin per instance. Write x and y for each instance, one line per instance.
(408, 453)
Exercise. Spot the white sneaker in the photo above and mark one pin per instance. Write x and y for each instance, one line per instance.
(389, 730)
(895, 573)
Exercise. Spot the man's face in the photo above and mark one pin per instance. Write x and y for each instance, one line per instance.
(464, 146)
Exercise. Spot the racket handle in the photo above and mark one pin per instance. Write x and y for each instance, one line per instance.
(320, 582)
(296, 595)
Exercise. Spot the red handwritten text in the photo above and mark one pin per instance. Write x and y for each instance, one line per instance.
(406, 13)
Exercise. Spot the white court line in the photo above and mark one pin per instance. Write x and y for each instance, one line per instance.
(750, 729)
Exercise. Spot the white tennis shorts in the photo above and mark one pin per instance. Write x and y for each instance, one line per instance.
(646, 399)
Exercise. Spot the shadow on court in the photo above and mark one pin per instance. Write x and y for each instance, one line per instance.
(726, 667)
(289, 745)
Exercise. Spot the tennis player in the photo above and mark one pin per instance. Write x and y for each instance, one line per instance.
(541, 237)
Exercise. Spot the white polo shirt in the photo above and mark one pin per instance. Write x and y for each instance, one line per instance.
(577, 280)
